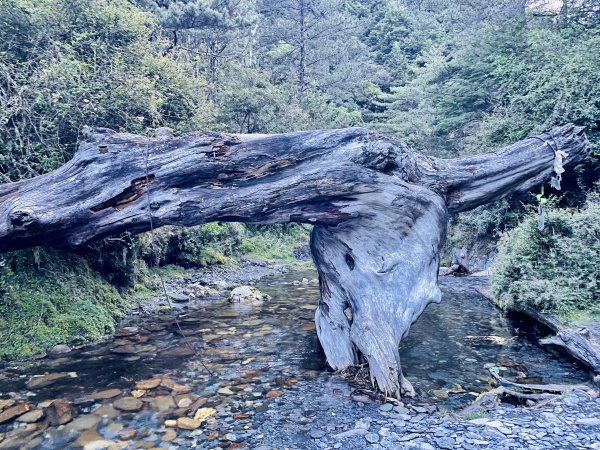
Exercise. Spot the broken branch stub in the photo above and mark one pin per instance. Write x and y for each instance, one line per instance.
(379, 211)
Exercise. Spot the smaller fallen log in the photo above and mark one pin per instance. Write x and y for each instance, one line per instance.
(581, 342)
(549, 388)
(530, 393)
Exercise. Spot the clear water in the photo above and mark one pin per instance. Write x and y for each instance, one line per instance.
(256, 349)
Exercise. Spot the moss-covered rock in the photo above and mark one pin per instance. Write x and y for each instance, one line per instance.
(50, 297)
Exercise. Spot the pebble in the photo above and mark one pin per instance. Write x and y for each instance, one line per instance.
(185, 423)
(372, 438)
(317, 434)
(386, 407)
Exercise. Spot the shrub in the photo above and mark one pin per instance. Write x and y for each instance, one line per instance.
(555, 270)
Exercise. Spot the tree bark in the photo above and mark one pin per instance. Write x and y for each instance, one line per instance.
(379, 211)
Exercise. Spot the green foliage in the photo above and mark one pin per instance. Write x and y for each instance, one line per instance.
(200, 246)
(480, 228)
(279, 242)
(66, 64)
(555, 270)
(48, 297)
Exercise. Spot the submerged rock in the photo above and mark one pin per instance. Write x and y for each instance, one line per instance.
(59, 412)
(41, 381)
(185, 423)
(15, 411)
(247, 295)
(31, 416)
(128, 404)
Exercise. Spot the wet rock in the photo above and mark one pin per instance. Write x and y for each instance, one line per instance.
(107, 411)
(350, 433)
(174, 386)
(386, 407)
(87, 437)
(148, 384)
(137, 393)
(247, 295)
(184, 402)
(204, 413)
(14, 412)
(274, 394)
(127, 331)
(589, 421)
(317, 434)
(199, 403)
(178, 298)
(60, 349)
(225, 391)
(85, 422)
(128, 404)
(185, 423)
(179, 351)
(169, 436)
(361, 399)
(127, 434)
(101, 395)
(32, 416)
(231, 437)
(212, 436)
(41, 381)
(6, 404)
(440, 393)
(163, 402)
(59, 412)
(124, 349)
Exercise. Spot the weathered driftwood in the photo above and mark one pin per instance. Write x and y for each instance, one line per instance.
(531, 393)
(581, 342)
(379, 210)
(551, 388)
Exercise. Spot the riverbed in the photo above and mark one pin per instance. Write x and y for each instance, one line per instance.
(255, 377)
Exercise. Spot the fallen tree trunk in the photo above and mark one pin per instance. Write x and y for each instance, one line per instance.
(379, 211)
(580, 341)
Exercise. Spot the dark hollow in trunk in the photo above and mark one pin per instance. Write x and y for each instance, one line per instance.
(379, 211)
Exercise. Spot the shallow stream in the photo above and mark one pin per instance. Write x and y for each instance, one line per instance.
(258, 355)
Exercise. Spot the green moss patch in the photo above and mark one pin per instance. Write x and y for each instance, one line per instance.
(48, 297)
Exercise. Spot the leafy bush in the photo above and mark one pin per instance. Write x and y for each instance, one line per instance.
(274, 241)
(69, 63)
(555, 270)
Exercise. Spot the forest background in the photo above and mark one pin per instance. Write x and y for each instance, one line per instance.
(451, 78)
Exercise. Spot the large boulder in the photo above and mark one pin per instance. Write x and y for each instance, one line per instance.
(247, 295)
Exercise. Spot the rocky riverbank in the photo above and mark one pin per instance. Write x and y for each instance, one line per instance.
(232, 375)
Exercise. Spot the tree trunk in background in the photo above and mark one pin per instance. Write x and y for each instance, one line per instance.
(379, 211)
(302, 44)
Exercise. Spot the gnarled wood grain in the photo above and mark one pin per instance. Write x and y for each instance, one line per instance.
(379, 210)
